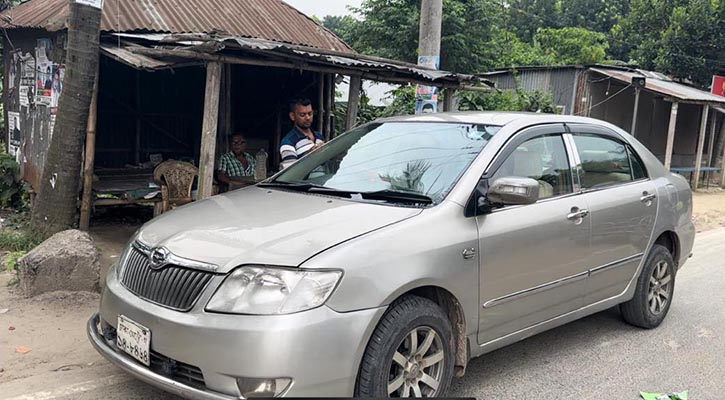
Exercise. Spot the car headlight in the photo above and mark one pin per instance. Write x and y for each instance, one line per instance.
(271, 291)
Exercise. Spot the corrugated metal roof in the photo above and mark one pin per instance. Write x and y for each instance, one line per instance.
(385, 70)
(266, 19)
(664, 87)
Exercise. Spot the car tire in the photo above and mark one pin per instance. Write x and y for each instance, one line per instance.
(403, 356)
(655, 288)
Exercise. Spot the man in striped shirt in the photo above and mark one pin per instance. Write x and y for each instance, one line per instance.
(301, 139)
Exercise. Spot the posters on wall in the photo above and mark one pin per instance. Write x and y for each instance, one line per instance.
(56, 87)
(15, 134)
(15, 57)
(426, 97)
(27, 80)
(44, 72)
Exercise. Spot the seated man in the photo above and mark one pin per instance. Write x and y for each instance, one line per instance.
(301, 139)
(236, 168)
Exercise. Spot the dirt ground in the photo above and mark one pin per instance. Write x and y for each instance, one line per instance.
(52, 326)
(708, 210)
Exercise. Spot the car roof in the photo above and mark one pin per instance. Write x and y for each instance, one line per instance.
(492, 118)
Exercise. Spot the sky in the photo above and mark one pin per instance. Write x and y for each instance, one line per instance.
(321, 8)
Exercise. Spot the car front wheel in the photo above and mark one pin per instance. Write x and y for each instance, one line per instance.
(410, 353)
(655, 288)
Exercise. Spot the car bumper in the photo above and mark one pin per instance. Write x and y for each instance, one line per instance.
(320, 349)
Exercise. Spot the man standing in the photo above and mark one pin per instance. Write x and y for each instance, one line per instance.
(236, 168)
(301, 139)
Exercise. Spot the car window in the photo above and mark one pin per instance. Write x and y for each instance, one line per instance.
(605, 161)
(544, 159)
(638, 170)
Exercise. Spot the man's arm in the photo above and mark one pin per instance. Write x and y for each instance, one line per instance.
(289, 155)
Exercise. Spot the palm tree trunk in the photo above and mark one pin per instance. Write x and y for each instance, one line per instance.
(56, 205)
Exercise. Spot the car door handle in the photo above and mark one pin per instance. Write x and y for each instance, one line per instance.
(574, 215)
(647, 198)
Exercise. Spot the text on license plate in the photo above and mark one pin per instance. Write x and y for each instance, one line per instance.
(134, 339)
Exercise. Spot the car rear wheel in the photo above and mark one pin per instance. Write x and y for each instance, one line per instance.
(410, 353)
(655, 288)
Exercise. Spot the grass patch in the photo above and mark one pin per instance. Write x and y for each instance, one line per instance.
(18, 240)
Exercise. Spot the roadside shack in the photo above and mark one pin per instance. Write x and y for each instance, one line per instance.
(176, 78)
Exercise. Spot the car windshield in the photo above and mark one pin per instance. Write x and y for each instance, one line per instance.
(393, 161)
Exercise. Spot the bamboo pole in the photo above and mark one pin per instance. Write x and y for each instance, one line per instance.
(86, 197)
(329, 101)
(634, 113)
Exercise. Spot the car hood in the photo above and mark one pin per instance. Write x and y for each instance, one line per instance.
(265, 226)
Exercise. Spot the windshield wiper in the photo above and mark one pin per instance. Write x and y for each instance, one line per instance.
(394, 195)
(384, 195)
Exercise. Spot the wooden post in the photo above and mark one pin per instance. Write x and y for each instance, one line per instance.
(634, 115)
(330, 99)
(209, 130)
(701, 144)
(320, 101)
(353, 102)
(90, 159)
(276, 156)
(671, 136)
(448, 97)
(137, 147)
(711, 145)
(722, 167)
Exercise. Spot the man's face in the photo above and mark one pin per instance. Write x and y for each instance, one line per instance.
(239, 144)
(302, 116)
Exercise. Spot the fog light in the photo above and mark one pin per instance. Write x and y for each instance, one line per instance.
(261, 387)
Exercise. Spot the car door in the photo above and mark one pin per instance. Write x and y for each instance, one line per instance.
(533, 259)
(622, 204)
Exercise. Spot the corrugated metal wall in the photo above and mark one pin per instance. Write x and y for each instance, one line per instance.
(560, 82)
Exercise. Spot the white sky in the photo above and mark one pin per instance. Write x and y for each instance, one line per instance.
(321, 8)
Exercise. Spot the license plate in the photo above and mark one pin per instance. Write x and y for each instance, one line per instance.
(134, 339)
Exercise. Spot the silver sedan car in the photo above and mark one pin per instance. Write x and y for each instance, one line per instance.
(381, 263)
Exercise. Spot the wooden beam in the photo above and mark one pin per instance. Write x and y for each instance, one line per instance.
(671, 135)
(329, 102)
(209, 130)
(277, 137)
(448, 97)
(320, 102)
(353, 102)
(301, 66)
(89, 162)
(711, 144)
(137, 145)
(701, 145)
(634, 114)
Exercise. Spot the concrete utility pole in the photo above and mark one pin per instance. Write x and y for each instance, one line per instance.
(429, 50)
(429, 39)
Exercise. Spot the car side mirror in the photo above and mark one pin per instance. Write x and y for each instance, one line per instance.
(513, 190)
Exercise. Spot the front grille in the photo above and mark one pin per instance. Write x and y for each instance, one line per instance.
(177, 370)
(172, 286)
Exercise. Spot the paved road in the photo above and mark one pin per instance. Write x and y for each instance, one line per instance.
(598, 357)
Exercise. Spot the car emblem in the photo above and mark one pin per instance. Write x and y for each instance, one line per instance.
(158, 258)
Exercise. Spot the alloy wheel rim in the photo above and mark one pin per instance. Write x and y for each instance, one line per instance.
(660, 284)
(417, 366)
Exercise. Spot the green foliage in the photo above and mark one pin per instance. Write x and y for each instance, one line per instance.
(684, 38)
(10, 260)
(18, 239)
(11, 187)
(565, 46)
(508, 100)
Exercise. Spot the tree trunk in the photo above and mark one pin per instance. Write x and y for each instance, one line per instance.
(56, 205)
